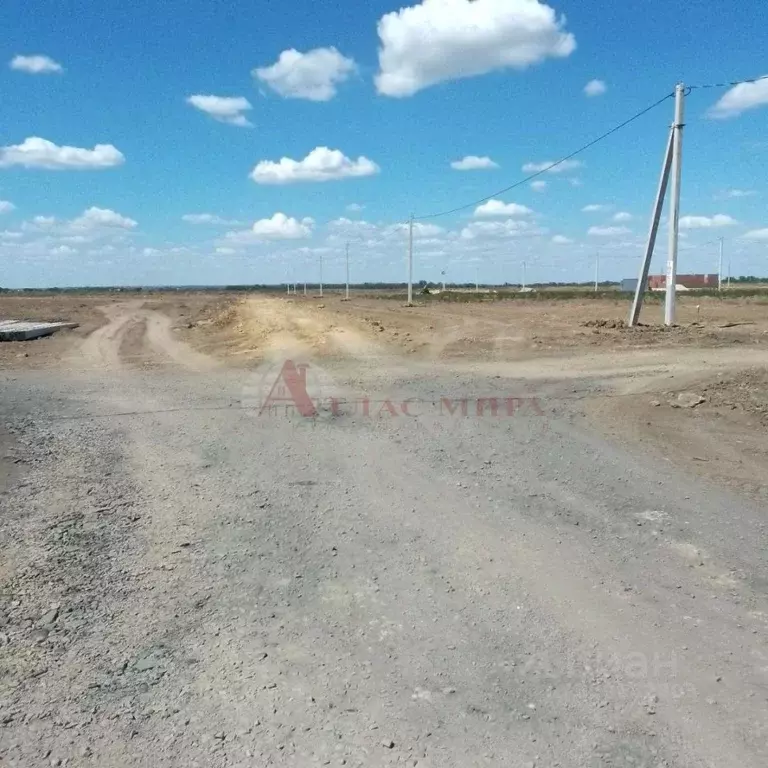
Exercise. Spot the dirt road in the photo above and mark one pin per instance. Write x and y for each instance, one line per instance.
(191, 580)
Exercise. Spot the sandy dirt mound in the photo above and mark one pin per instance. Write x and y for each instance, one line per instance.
(257, 327)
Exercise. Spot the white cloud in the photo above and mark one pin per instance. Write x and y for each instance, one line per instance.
(44, 222)
(355, 207)
(208, 218)
(757, 234)
(63, 250)
(6, 206)
(561, 240)
(473, 163)
(576, 182)
(441, 40)
(282, 227)
(425, 230)
(307, 251)
(9, 235)
(623, 216)
(595, 208)
(737, 193)
(225, 109)
(705, 222)
(343, 222)
(741, 98)
(94, 226)
(96, 218)
(566, 165)
(382, 235)
(35, 152)
(223, 251)
(595, 88)
(494, 229)
(35, 65)
(313, 75)
(321, 164)
(359, 228)
(608, 231)
(499, 208)
(343, 228)
(538, 185)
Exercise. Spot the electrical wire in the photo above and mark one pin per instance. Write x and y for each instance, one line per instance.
(562, 160)
(577, 152)
(728, 85)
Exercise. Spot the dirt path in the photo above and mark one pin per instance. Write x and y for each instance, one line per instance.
(150, 337)
(102, 347)
(187, 582)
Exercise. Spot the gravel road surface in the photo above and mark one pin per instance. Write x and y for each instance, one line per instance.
(188, 581)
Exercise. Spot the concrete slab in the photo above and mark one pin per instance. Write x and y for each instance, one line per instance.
(22, 330)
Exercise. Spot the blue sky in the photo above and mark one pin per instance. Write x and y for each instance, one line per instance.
(396, 98)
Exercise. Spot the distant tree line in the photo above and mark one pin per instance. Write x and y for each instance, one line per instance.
(370, 286)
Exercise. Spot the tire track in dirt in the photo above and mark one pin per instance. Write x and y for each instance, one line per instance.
(105, 348)
(160, 338)
(102, 348)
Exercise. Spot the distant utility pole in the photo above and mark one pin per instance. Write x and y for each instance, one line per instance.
(524, 281)
(443, 276)
(674, 216)
(347, 291)
(672, 166)
(597, 271)
(305, 289)
(720, 267)
(410, 261)
(321, 275)
(477, 279)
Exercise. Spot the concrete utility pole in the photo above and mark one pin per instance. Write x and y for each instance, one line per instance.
(477, 279)
(321, 275)
(346, 296)
(410, 261)
(524, 281)
(305, 289)
(674, 214)
(661, 193)
(720, 267)
(597, 271)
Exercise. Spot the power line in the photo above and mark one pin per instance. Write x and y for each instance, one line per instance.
(728, 85)
(562, 160)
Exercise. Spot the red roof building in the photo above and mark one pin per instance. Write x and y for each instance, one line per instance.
(692, 282)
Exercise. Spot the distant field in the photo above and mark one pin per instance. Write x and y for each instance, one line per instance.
(562, 292)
